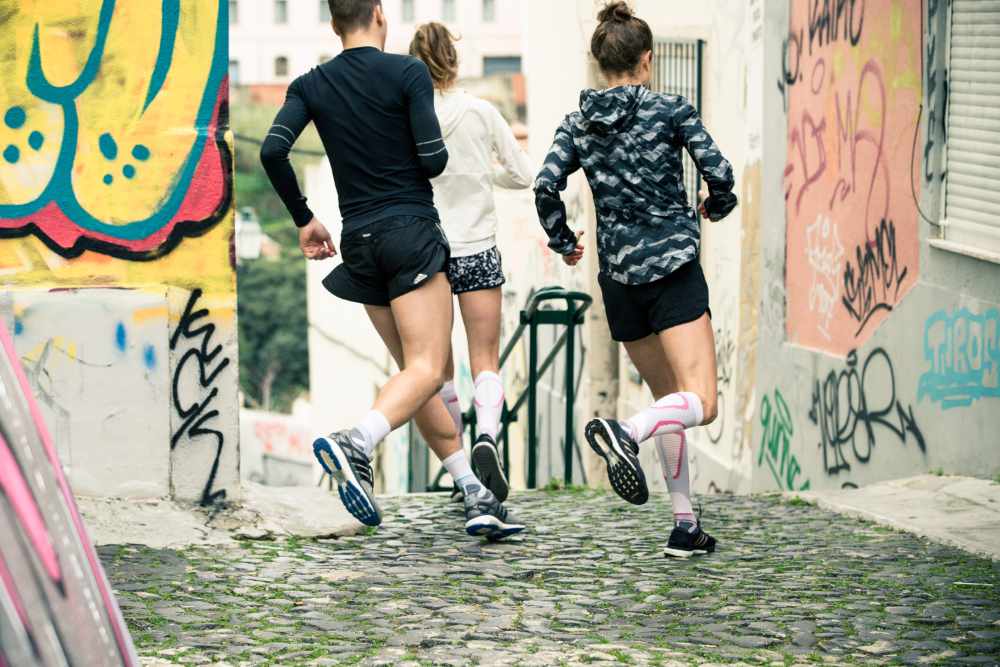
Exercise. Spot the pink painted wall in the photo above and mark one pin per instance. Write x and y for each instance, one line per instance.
(852, 86)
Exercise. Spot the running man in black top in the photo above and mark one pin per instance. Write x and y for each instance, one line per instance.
(375, 114)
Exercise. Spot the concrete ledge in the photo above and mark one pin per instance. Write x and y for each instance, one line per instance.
(960, 511)
(263, 513)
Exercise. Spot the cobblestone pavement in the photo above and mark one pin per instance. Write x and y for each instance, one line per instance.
(790, 584)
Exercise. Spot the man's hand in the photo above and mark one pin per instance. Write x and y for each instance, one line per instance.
(315, 241)
(574, 257)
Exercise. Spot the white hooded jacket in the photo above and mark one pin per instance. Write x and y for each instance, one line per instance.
(477, 138)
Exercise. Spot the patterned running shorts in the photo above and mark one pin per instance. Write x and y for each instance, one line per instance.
(476, 272)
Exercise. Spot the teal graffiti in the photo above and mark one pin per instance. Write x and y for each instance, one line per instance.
(776, 441)
(963, 350)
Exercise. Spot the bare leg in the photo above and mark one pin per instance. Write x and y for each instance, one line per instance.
(690, 352)
(423, 320)
(433, 420)
(481, 314)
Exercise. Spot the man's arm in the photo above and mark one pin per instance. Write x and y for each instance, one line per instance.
(560, 163)
(288, 125)
(419, 91)
(712, 166)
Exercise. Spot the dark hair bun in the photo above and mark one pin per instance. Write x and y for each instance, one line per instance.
(618, 12)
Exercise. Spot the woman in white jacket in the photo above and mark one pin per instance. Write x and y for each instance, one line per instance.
(482, 153)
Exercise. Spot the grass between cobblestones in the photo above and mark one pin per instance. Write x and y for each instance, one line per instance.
(790, 584)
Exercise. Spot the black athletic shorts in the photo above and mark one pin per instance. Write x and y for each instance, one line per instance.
(387, 259)
(636, 311)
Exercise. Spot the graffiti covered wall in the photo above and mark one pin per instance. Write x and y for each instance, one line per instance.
(851, 83)
(116, 238)
(867, 385)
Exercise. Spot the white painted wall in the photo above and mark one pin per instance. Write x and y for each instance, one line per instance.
(255, 39)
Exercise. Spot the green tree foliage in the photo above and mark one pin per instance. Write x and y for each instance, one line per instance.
(273, 322)
(274, 349)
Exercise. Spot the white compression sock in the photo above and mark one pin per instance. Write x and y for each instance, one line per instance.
(489, 403)
(371, 431)
(458, 467)
(672, 449)
(671, 414)
(451, 401)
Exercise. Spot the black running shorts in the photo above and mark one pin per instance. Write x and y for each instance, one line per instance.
(388, 259)
(636, 311)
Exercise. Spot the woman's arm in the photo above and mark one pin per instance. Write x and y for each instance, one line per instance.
(712, 166)
(515, 170)
(288, 125)
(560, 163)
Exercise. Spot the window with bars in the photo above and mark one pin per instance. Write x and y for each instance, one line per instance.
(972, 154)
(281, 11)
(677, 71)
(489, 11)
(234, 12)
(324, 11)
(449, 12)
(409, 11)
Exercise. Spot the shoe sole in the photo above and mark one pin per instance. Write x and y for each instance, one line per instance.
(683, 553)
(627, 479)
(491, 528)
(357, 501)
(486, 461)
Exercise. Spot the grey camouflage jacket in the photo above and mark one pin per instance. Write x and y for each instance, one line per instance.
(628, 141)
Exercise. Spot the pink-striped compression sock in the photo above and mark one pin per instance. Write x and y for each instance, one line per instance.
(489, 403)
(450, 398)
(672, 450)
(671, 414)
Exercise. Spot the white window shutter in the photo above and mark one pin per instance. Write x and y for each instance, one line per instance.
(972, 186)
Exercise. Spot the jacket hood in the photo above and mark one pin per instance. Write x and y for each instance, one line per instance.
(612, 110)
(451, 107)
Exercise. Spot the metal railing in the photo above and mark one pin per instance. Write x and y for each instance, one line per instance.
(532, 317)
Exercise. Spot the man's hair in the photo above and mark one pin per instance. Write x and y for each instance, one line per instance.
(351, 15)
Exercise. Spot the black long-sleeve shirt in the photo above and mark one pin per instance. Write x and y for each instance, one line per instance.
(375, 115)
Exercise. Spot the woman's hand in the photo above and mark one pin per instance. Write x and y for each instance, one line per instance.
(574, 257)
(315, 241)
(702, 197)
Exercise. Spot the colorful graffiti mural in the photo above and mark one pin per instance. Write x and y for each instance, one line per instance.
(852, 87)
(963, 350)
(56, 607)
(103, 148)
(116, 209)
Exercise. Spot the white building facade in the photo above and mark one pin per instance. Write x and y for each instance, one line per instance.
(273, 41)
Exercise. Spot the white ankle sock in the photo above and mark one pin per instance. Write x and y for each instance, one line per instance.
(451, 401)
(373, 429)
(458, 467)
(489, 403)
(672, 449)
(671, 414)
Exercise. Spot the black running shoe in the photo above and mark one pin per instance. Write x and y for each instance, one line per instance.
(485, 516)
(488, 468)
(688, 539)
(612, 442)
(348, 464)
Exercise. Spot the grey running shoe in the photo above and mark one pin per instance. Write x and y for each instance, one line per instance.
(485, 516)
(612, 442)
(348, 464)
(488, 468)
